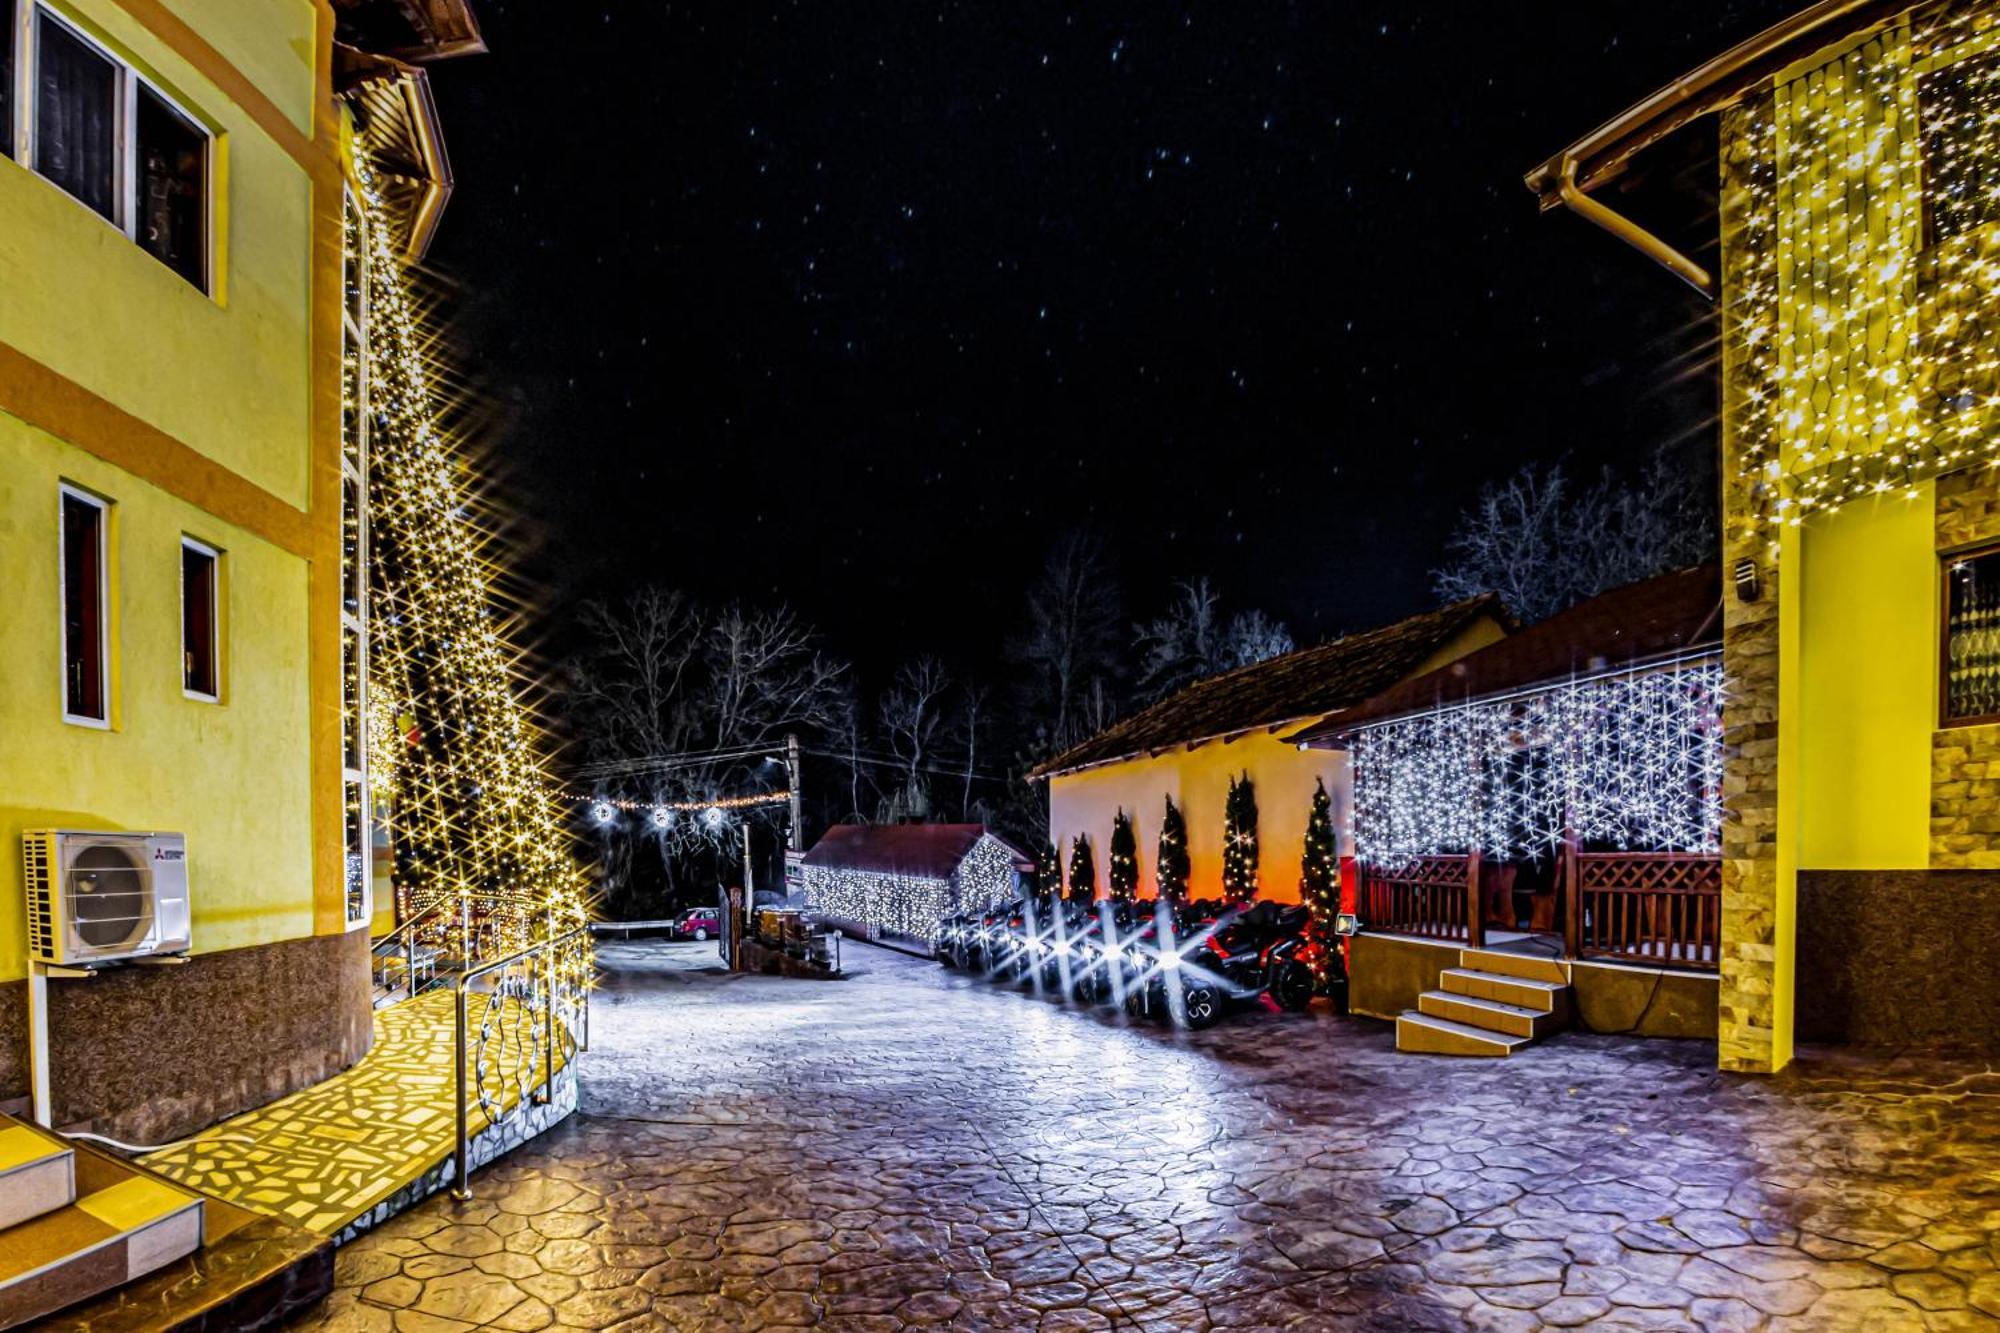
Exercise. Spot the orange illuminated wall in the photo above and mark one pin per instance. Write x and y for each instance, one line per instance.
(1198, 780)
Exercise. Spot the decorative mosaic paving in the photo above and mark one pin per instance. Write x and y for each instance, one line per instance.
(324, 1157)
(909, 1149)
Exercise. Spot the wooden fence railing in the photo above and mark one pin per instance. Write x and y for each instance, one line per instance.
(1658, 908)
(1663, 908)
(1428, 896)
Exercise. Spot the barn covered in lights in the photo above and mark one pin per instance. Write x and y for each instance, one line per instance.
(897, 881)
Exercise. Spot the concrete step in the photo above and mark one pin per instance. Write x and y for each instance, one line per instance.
(123, 1224)
(37, 1172)
(1493, 1015)
(1528, 966)
(1428, 1035)
(1544, 997)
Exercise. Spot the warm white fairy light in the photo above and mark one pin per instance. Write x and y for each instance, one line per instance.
(1631, 761)
(912, 905)
(1868, 350)
(471, 808)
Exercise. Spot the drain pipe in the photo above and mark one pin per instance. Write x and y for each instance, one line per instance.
(1630, 232)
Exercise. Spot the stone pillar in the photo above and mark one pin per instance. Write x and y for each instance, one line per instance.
(1758, 884)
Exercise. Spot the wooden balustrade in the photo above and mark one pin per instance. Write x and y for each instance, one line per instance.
(1662, 908)
(1428, 896)
(1657, 908)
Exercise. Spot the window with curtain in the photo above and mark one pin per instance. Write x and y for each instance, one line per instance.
(6, 80)
(173, 182)
(76, 115)
(84, 666)
(200, 641)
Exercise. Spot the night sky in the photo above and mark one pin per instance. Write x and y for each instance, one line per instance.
(858, 306)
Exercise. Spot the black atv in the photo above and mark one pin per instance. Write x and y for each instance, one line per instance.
(1237, 958)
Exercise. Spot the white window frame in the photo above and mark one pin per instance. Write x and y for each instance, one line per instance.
(65, 491)
(25, 16)
(354, 330)
(214, 555)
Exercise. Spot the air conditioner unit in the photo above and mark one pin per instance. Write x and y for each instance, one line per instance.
(99, 897)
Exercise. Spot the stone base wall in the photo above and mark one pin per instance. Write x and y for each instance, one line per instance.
(1965, 761)
(1900, 957)
(150, 1054)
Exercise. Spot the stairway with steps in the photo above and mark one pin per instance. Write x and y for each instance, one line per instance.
(75, 1223)
(1492, 1003)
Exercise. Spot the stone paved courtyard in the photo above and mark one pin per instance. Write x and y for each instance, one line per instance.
(912, 1148)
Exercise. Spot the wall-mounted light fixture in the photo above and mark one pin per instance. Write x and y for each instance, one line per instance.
(1749, 587)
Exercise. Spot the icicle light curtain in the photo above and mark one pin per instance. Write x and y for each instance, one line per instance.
(1632, 762)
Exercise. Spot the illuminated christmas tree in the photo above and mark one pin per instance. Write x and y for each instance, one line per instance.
(454, 747)
(1174, 867)
(1319, 882)
(1082, 871)
(1048, 872)
(1239, 842)
(1124, 859)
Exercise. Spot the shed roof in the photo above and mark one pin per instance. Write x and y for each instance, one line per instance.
(1297, 687)
(1652, 619)
(923, 851)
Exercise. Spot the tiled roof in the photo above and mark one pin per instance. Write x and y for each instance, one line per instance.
(1297, 687)
(923, 851)
(1651, 619)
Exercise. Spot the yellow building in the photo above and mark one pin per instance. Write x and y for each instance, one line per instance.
(1860, 178)
(181, 520)
(1191, 745)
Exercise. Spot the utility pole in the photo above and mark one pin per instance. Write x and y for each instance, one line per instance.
(749, 895)
(792, 832)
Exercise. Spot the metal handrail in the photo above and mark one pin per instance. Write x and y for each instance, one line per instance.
(461, 1187)
(407, 932)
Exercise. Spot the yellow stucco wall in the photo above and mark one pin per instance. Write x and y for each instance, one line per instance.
(181, 407)
(1198, 780)
(1086, 802)
(233, 776)
(227, 374)
(1867, 666)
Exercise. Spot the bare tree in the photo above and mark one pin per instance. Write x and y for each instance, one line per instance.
(912, 710)
(967, 730)
(1253, 636)
(688, 706)
(1182, 644)
(1190, 640)
(1544, 544)
(1071, 647)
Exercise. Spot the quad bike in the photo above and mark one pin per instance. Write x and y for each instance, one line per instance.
(1237, 959)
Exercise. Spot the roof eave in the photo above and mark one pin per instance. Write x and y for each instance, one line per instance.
(1050, 770)
(1335, 735)
(1603, 153)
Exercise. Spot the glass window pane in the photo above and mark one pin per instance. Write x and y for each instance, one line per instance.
(1962, 174)
(354, 271)
(6, 79)
(356, 853)
(1972, 637)
(173, 188)
(198, 665)
(350, 700)
(350, 546)
(83, 608)
(76, 115)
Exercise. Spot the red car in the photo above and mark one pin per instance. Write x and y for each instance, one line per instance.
(702, 923)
